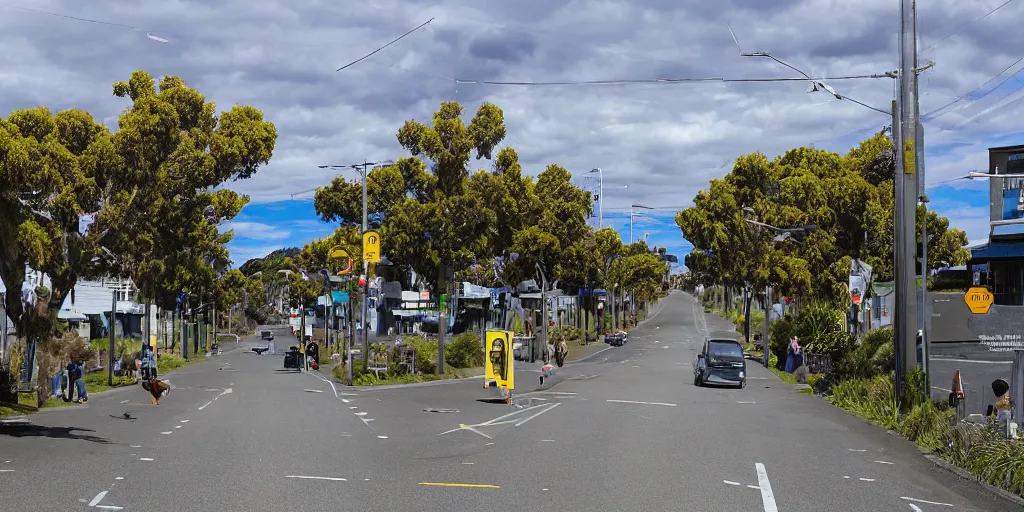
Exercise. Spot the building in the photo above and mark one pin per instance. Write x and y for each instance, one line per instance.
(999, 262)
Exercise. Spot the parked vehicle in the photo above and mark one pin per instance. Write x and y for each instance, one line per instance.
(616, 339)
(292, 358)
(267, 335)
(720, 362)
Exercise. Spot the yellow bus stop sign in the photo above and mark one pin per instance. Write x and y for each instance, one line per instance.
(371, 247)
(498, 361)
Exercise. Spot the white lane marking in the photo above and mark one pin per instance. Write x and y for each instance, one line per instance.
(926, 501)
(353, 407)
(362, 413)
(147, 459)
(184, 421)
(6, 471)
(119, 478)
(941, 389)
(334, 389)
(975, 361)
(98, 498)
(767, 497)
(136, 446)
(915, 508)
(222, 393)
(856, 450)
(344, 400)
(109, 507)
(641, 403)
(866, 479)
(177, 426)
(488, 444)
(884, 462)
(730, 482)
(547, 440)
(382, 437)
(125, 401)
(846, 476)
(468, 463)
(544, 489)
(313, 390)
(167, 433)
(331, 478)
(538, 413)
(758, 487)
(635, 366)
(745, 402)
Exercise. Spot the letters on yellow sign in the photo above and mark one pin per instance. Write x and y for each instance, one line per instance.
(498, 363)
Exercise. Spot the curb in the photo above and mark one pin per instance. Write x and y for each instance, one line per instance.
(966, 475)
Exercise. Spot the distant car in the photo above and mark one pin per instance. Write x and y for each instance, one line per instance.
(720, 362)
(267, 335)
(616, 339)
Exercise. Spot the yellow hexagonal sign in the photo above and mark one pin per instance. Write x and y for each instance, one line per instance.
(979, 299)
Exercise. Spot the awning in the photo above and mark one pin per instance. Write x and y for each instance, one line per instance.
(996, 250)
(65, 314)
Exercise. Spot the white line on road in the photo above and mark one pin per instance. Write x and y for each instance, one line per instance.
(6, 471)
(125, 401)
(147, 459)
(856, 450)
(313, 390)
(167, 433)
(730, 482)
(222, 393)
(926, 501)
(884, 462)
(915, 508)
(331, 478)
(547, 440)
(382, 437)
(109, 507)
(767, 497)
(184, 421)
(352, 407)
(119, 478)
(98, 498)
(344, 400)
(177, 426)
(866, 479)
(754, 486)
(942, 389)
(641, 403)
(538, 413)
(746, 402)
(361, 413)
(468, 463)
(136, 446)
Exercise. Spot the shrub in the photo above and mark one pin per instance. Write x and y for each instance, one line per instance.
(874, 356)
(779, 335)
(464, 351)
(426, 353)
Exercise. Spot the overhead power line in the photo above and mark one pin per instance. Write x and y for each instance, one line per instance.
(957, 31)
(936, 113)
(713, 79)
(87, 20)
(393, 41)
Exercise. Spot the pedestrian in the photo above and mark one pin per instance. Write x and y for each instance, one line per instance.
(793, 356)
(147, 362)
(83, 396)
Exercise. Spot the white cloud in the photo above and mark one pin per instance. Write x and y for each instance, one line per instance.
(664, 141)
(256, 230)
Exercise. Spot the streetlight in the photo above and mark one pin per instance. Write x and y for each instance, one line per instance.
(361, 169)
(631, 215)
(600, 197)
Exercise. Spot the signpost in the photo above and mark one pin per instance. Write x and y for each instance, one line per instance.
(499, 363)
(371, 247)
(979, 299)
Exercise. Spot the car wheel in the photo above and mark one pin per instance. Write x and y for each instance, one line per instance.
(743, 383)
(696, 381)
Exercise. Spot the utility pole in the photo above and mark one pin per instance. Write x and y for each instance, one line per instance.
(113, 341)
(904, 132)
(600, 196)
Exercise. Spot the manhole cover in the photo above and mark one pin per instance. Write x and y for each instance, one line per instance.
(434, 409)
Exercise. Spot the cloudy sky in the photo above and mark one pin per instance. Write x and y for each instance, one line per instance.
(656, 143)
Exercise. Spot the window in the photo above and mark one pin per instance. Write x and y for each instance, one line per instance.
(724, 351)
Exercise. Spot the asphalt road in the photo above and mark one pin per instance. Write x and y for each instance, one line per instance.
(978, 367)
(625, 430)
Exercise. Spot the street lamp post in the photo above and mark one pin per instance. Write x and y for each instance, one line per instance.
(632, 214)
(600, 197)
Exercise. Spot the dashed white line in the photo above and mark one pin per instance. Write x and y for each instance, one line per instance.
(125, 401)
(730, 482)
(109, 507)
(6, 471)
(767, 497)
(136, 446)
(167, 433)
(758, 487)
(547, 440)
(926, 501)
(363, 413)
(184, 421)
(382, 437)
(884, 462)
(468, 463)
(313, 390)
(98, 498)
(331, 478)
(119, 478)
(641, 403)
(866, 479)
(147, 459)
(915, 508)
(177, 426)
(856, 450)
(745, 402)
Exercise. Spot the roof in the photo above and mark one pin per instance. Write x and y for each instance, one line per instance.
(997, 250)
(1018, 147)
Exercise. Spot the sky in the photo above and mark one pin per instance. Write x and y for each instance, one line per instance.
(657, 143)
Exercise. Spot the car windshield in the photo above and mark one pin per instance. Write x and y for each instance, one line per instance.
(725, 351)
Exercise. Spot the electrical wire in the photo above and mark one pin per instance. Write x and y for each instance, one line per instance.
(393, 41)
(714, 79)
(957, 31)
(85, 20)
(933, 114)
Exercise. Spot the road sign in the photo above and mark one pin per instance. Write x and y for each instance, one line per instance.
(371, 247)
(499, 362)
(979, 300)
(337, 253)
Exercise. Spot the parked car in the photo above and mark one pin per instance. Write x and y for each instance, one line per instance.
(292, 358)
(267, 335)
(720, 362)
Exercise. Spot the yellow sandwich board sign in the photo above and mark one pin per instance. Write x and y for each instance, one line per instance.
(499, 363)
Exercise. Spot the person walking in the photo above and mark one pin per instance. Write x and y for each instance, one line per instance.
(83, 396)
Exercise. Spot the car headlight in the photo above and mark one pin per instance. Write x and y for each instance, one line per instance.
(741, 375)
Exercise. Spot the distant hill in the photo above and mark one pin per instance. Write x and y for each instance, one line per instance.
(272, 261)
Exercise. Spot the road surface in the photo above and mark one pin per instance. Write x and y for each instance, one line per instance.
(625, 430)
